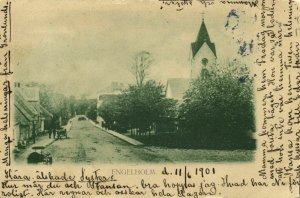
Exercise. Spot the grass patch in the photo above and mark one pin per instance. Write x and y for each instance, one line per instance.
(189, 141)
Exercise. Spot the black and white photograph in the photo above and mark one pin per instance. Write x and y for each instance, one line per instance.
(150, 98)
(106, 84)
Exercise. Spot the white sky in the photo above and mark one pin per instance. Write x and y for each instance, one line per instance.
(81, 47)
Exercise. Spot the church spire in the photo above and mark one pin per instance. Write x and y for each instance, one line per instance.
(202, 37)
(203, 34)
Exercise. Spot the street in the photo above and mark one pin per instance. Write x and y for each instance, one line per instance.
(88, 144)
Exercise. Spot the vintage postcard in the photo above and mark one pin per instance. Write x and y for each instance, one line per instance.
(150, 98)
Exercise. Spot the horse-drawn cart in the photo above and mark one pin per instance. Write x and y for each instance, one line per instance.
(61, 132)
(39, 157)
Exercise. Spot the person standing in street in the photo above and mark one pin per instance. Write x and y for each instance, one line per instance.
(54, 133)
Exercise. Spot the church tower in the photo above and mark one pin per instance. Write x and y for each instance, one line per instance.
(203, 53)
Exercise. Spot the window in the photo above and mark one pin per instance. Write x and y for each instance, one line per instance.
(204, 61)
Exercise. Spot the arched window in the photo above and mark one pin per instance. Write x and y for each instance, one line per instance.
(204, 61)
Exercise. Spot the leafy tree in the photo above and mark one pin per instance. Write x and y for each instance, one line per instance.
(81, 106)
(91, 112)
(146, 105)
(56, 103)
(218, 107)
(72, 101)
(109, 110)
(138, 107)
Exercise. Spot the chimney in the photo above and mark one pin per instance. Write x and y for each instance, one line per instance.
(17, 84)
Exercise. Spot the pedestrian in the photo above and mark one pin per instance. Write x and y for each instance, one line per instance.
(49, 132)
(54, 133)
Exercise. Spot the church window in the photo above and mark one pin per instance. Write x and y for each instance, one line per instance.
(204, 61)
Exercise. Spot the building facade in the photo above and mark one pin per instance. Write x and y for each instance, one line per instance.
(29, 115)
(203, 53)
(202, 59)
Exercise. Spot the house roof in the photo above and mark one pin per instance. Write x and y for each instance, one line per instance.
(25, 108)
(203, 37)
(45, 112)
(109, 95)
(178, 86)
(31, 94)
(21, 118)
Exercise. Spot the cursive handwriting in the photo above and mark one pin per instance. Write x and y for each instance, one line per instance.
(6, 25)
(5, 117)
(241, 2)
(6, 65)
(7, 159)
(178, 3)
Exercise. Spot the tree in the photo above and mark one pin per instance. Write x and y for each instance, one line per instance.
(146, 105)
(56, 103)
(72, 101)
(140, 66)
(81, 106)
(219, 107)
(138, 107)
(91, 112)
(109, 110)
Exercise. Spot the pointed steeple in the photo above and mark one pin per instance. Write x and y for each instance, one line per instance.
(203, 34)
(203, 37)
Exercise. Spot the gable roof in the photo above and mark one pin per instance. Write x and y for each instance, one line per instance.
(20, 118)
(178, 86)
(31, 94)
(26, 104)
(203, 37)
(45, 112)
(25, 108)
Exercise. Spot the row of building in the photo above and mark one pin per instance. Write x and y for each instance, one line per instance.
(30, 116)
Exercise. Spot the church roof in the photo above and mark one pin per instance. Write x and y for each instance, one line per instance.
(178, 86)
(203, 37)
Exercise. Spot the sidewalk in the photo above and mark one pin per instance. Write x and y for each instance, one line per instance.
(43, 140)
(119, 135)
(40, 141)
